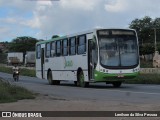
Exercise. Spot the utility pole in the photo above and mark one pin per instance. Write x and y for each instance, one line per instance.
(155, 38)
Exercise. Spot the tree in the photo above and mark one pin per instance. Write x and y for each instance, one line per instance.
(145, 28)
(22, 44)
(1, 51)
(55, 36)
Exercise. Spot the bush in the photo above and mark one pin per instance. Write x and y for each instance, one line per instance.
(145, 79)
(146, 49)
(158, 48)
(3, 58)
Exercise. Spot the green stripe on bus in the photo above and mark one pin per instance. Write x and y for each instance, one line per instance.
(102, 77)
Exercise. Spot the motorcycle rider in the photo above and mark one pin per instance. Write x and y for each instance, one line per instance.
(15, 69)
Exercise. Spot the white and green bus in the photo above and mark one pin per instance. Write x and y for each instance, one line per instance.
(98, 55)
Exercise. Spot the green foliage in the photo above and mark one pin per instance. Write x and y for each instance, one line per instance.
(3, 58)
(22, 44)
(146, 64)
(141, 50)
(145, 29)
(12, 93)
(55, 36)
(147, 49)
(145, 79)
(23, 71)
(5, 69)
(26, 72)
(158, 48)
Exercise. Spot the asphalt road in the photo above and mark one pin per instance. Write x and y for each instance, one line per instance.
(129, 93)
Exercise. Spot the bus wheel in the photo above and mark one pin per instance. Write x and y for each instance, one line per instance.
(50, 78)
(75, 83)
(81, 81)
(117, 84)
(56, 82)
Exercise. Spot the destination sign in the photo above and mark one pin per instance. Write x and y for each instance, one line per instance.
(115, 32)
(104, 32)
(119, 32)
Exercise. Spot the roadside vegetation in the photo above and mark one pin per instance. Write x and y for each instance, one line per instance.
(145, 79)
(141, 79)
(13, 93)
(146, 64)
(23, 71)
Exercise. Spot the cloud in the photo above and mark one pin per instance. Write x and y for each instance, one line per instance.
(44, 18)
(4, 30)
(23, 5)
(8, 20)
(64, 17)
(116, 6)
(78, 4)
(132, 7)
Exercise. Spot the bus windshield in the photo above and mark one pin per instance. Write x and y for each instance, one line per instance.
(118, 51)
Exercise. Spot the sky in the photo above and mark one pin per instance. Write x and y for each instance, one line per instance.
(42, 19)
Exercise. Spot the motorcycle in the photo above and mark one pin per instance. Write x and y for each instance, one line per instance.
(16, 76)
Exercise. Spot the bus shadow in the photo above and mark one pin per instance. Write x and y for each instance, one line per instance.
(97, 86)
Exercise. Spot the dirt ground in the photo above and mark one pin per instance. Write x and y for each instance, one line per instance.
(50, 103)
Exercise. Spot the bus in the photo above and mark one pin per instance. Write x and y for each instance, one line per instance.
(98, 55)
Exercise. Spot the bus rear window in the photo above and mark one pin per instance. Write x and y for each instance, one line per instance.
(38, 53)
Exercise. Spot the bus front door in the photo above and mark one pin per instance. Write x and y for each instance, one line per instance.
(91, 52)
(42, 62)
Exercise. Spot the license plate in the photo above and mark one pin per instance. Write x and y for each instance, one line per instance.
(120, 76)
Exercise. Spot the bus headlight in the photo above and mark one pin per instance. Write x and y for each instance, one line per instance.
(134, 70)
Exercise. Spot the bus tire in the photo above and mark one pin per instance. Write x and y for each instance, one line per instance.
(117, 84)
(81, 81)
(75, 83)
(50, 80)
(56, 82)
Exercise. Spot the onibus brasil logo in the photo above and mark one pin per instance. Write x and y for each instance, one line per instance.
(68, 63)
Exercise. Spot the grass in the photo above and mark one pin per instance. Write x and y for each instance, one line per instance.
(23, 71)
(13, 93)
(146, 64)
(27, 72)
(145, 79)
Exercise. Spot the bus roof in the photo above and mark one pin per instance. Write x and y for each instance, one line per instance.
(50, 40)
(84, 32)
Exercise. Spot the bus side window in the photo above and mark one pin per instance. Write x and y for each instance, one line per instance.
(48, 47)
(65, 47)
(53, 47)
(58, 48)
(81, 44)
(72, 46)
(38, 52)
